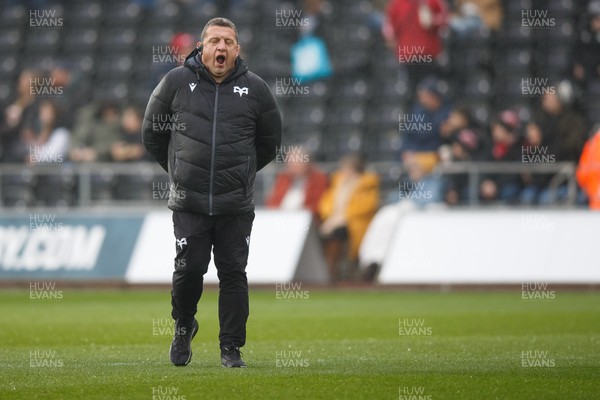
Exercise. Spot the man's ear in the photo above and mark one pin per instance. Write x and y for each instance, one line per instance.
(199, 47)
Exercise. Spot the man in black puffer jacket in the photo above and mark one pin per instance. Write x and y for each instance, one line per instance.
(211, 124)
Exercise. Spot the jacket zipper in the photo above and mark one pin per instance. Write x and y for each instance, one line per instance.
(213, 152)
(247, 181)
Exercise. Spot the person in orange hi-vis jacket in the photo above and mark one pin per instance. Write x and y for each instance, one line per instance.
(588, 170)
(346, 209)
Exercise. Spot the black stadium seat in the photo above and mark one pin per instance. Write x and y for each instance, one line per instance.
(14, 16)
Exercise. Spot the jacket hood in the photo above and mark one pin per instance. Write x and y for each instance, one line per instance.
(194, 63)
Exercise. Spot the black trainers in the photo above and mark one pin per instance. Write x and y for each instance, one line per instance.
(231, 357)
(181, 347)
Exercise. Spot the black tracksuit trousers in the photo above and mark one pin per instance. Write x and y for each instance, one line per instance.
(228, 237)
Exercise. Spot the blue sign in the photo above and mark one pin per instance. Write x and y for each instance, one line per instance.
(66, 246)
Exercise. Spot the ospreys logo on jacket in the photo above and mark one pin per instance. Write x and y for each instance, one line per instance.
(223, 134)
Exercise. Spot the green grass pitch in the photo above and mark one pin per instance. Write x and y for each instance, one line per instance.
(353, 344)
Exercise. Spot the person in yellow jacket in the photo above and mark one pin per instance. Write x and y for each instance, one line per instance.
(346, 209)
(588, 170)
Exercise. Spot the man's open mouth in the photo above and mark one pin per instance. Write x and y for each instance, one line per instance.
(221, 59)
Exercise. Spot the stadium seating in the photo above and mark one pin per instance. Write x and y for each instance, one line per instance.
(111, 43)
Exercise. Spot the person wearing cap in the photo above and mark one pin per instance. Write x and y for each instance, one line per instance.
(212, 124)
(505, 146)
(421, 140)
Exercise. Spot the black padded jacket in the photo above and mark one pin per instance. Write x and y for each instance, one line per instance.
(211, 138)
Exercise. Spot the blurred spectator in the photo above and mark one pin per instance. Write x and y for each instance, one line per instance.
(421, 128)
(412, 29)
(74, 88)
(310, 58)
(466, 19)
(48, 142)
(181, 45)
(588, 170)
(505, 146)
(587, 51)
(376, 17)
(463, 143)
(490, 11)
(128, 145)
(421, 140)
(318, 20)
(184, 44)
(18, 118)
(461, 136)
(346, 209)
(96, 129)
(557, 132)
(299, 186)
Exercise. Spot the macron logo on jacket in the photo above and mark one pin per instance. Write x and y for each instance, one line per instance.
(192, 86)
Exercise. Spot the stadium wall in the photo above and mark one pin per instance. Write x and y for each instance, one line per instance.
(493, 246)
(415, 247)
(140, 248)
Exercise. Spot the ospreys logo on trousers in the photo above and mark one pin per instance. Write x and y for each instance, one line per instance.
(181, 242)
(240, 90)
